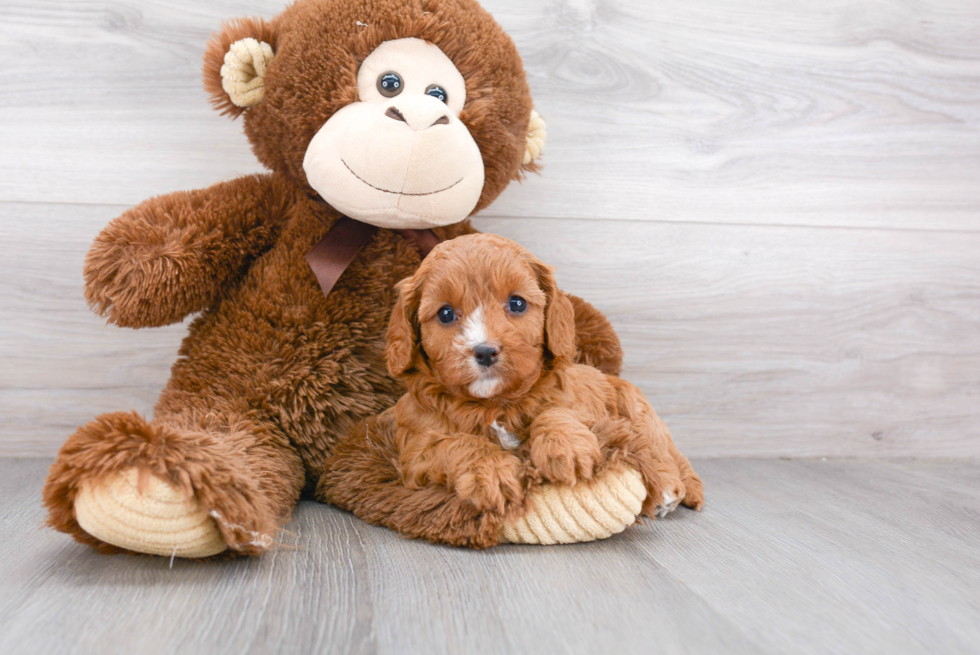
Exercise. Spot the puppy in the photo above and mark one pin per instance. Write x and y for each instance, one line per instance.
(485, 343)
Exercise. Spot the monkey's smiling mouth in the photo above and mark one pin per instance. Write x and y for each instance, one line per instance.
(398, 193)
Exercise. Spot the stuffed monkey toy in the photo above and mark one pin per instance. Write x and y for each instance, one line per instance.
(385, 125)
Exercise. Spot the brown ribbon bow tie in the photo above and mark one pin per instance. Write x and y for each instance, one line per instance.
(334, 253)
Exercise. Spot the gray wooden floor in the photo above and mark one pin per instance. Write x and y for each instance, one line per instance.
(790, 556)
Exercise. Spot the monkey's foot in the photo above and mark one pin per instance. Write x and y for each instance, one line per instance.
(146, 515)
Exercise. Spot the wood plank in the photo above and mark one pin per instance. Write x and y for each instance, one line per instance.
(63, 597)
(346, 587)
(788, 556)
(748, 112)
(958, 475)
(749, 340)
(585, 598)
(783, 341)
(836, 556)
(60, 365)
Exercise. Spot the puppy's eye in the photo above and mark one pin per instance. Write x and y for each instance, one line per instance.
(390, 84)
(446, 315)
(437, 92)
(517, 305)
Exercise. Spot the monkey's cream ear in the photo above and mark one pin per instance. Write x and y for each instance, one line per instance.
(243, 73)
(537, 134)
(236, 62)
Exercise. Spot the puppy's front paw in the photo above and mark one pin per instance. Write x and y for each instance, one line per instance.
(693, 492)
(567, 457)
(491, 483)
(669, 503)
(671, 494)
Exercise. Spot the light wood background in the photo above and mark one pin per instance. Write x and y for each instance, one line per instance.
(777, 204)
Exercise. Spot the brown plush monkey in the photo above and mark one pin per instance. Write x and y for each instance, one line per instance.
(380, 120)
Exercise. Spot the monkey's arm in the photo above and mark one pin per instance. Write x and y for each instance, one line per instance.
(596, 342)
(169, 256)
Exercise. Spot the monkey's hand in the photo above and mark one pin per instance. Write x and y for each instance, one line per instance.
(169, 256)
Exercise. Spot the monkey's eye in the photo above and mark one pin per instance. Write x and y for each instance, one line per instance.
(437, 92)
(517, 305)
(446, 315)
(390, 84)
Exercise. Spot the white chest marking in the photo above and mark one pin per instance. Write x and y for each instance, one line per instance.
(508, 440)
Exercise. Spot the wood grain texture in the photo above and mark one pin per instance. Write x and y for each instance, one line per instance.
(788, 556)
(749, 340)
(786, 341)
(60, 364)
(753, 111)
(777, 205)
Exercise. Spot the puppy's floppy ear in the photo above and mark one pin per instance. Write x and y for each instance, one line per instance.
(235, 64)
(559, 317)
(403, 328)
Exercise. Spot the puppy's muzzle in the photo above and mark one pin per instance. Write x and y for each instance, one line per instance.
(486, 355)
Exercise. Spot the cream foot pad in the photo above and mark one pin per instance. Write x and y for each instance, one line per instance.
(159, 520)
(585, 512)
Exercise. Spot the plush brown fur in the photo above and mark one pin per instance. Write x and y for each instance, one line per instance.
(449, 421)
(362, 476)
(272, 374)
(319, 47)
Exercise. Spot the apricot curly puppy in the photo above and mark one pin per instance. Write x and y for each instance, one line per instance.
(485, 342)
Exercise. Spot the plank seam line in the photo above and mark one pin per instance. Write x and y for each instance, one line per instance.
(865, 228)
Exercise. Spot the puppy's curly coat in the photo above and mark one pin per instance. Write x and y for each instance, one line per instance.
(485, 343)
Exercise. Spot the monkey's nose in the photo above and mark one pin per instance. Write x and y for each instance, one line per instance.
(419, 113)
(394, 113)
(486, 355)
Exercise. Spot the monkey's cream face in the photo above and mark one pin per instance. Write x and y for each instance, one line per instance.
(400, 157)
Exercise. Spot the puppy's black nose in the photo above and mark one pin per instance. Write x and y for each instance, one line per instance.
(486, 355)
